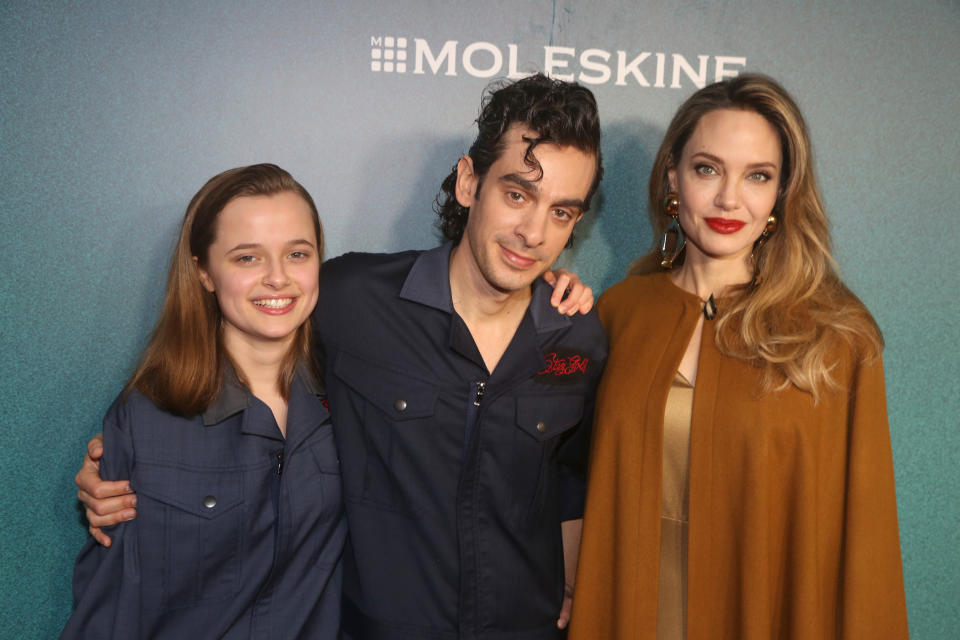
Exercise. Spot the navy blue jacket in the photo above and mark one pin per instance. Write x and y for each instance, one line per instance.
(455, 480)
(239, 532)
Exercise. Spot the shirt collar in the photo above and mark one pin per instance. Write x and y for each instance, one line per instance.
(545, 316)
(234, 397)
(428, 283)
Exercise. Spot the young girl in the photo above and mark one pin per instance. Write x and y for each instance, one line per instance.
(224, 434)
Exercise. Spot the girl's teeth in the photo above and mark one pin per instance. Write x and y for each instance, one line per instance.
(274, 303)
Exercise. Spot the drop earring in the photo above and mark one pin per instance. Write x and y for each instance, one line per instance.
(762, 240)
(671, 206)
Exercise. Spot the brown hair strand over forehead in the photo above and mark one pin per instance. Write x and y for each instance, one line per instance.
(557, 112)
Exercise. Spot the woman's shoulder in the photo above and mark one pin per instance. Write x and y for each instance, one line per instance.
(634, 286)
(639, 292)
(849, 329)
(855, 354)
(132, 409)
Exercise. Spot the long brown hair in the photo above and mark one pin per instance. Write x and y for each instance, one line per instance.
(182, 366)
(792, 316)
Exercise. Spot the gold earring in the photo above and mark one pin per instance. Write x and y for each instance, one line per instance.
(671, 206)
(762, 240)
(771, 225)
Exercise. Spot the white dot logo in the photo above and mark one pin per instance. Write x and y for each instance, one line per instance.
(388, 54)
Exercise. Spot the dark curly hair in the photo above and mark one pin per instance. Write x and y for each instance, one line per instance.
(562, 113)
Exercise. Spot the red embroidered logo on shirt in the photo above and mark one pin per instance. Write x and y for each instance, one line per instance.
(564, 366)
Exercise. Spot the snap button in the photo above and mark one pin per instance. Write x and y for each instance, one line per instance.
(541, 426)
(400, 405)
(210, 502)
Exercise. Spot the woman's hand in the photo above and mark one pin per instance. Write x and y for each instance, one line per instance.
(570, 296)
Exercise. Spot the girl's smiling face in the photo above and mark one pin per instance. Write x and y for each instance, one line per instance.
(263, 266)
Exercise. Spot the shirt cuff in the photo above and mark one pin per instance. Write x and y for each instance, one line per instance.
(573, 495)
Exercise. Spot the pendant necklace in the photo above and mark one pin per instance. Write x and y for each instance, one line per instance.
(710, 308)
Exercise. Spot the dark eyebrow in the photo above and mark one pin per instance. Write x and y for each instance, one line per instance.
(713, 158)
(534, 187)
(515, 178)
(254, 245)
(300, 241)
(244, 247)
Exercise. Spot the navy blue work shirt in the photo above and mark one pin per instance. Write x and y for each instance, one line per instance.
(239, 532)
(455, 480)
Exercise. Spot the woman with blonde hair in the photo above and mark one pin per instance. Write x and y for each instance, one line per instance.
(741, 482)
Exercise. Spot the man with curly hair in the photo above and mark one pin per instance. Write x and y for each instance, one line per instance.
(461, 401)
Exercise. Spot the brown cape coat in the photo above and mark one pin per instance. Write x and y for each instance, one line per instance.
(793, 521)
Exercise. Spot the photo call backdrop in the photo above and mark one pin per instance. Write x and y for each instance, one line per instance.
(112, 114)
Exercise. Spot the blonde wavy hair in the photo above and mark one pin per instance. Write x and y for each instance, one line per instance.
(797, 314)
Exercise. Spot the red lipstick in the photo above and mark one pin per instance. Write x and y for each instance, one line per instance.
(725, 225)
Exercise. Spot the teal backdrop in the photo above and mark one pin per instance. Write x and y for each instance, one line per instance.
(112, 114)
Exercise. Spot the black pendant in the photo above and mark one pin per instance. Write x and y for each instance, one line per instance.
(710, 308)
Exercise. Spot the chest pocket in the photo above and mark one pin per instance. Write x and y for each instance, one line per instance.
(546, 417)
(192, 523)
(391, 440)
(396, 394)
(542, 422)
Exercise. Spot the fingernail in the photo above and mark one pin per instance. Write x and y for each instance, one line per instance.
(133, 501)
(129, 515)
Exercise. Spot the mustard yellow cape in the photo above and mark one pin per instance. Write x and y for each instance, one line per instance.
(793, 521)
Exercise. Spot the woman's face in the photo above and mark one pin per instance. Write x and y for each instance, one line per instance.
(264, 268)
(727, 179)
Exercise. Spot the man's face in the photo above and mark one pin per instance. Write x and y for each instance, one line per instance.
(518, 225)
